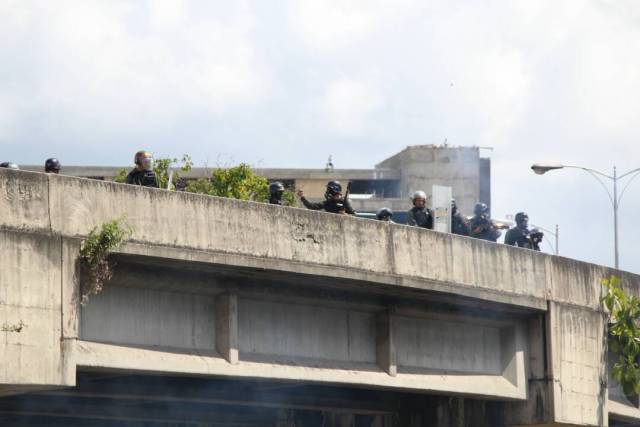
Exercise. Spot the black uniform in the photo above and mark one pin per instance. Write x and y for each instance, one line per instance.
(482, 228)
(144, 178)
(420, 217)
(275, 199)
(329, 205)
(522, 238)
(459, 224)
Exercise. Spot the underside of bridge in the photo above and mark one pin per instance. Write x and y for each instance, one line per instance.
(118, 399)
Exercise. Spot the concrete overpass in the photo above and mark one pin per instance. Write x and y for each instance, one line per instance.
(223, 312)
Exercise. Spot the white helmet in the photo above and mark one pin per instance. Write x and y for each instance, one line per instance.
(419, 195)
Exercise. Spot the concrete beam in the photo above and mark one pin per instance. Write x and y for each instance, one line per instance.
(385, 347)
(106, 357)
(226, 307)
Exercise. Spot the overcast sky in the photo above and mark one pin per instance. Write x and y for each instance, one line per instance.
(286, 83)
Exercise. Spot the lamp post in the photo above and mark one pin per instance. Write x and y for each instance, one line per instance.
(542, 168)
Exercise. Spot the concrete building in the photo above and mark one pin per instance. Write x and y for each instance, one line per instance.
(231, 313)
(390, 183)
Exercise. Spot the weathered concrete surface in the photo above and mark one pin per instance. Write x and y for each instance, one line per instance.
(30, 311)
(297, 238)
(43, 217)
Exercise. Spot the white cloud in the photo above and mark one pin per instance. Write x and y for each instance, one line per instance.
(348, 104)
(327, 25)
(122, 64)
(167, 14)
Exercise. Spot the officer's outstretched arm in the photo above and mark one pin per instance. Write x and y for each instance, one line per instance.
(311, 205)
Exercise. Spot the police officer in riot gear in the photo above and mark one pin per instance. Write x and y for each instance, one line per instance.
(419, 215)
(333, 202)
(9, 165)
(52, 165)
(384, 214)
(481, 226)
(521, 236)
(458, 222)
(276, 190)
(143, 173)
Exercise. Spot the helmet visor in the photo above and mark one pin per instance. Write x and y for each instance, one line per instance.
(147, 163)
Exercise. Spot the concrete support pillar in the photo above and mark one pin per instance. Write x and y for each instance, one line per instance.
(385, 347)
(536, 409)
(70, 303)
(226, 307)
(70, 288)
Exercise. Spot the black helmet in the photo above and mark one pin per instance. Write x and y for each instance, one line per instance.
(52, 165)
(480, 209)
(9, 165)
(522, 220)
(334, 187)
(276, 187)
(384, 214)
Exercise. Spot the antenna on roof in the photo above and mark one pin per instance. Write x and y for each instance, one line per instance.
(329, 166)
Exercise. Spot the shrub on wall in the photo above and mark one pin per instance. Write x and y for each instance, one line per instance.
(239, 182)
(96, 268)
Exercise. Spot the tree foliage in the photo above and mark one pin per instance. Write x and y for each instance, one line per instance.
(239, 182)
(162, 168)
(624, 335)
(94, 255)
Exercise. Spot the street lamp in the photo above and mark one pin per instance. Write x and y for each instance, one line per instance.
(542, 168)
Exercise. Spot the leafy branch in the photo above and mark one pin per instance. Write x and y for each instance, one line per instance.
(624, 335)
(94, 255)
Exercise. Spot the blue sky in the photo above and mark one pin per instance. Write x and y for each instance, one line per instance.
(286, 83)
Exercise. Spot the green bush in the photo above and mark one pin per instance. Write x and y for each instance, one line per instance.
(624, 335)
(94, 255)
(239, 182)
